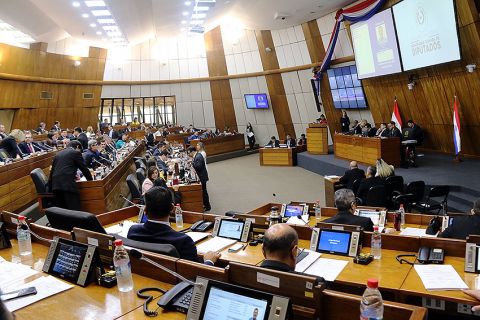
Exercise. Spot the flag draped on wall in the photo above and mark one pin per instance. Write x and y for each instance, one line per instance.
(396, 116)
(456, 128)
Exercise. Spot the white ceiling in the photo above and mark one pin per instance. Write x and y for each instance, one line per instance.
(139, 20)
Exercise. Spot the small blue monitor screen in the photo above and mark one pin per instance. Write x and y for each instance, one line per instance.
(293, 211)
(256, 101)
(333, 241)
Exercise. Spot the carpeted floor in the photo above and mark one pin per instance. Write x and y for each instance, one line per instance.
(241, 184)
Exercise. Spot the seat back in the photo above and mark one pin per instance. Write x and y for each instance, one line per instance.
(394, 183)
(134, 186)
(40, 180)
(405, 199)
(376, 196)
(417, 188)
(140, 175)
(161, 248)
(65, 219)
(439, 191)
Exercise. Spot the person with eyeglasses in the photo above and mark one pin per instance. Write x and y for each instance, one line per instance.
(346, 206)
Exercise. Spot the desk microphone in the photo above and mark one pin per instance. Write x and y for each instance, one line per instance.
(132, 203)
(110, 161)
(138, 255)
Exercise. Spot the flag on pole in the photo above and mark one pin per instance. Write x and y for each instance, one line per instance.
(396, 116)
(456, 128)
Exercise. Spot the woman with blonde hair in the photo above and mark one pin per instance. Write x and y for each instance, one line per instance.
(90, 132)
(384, 170)
(10, 143)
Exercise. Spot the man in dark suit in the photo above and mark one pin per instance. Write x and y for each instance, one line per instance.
(351, 175)
(394, 131)
(41, 128)
(414, 132)
(202, 173)
(56, 126)
(112, 133)
(29, 146)
(10, 144)
(280, 246)
(462, 226)
(274, 143)
(303, 140)
(290, 142)
(92, 155)
(370, 131)
(81, 137)
(157, 229)
(162, 161)
(3, 134)
(63, 176)
(383, 130)
(367, 183)
(345, 203)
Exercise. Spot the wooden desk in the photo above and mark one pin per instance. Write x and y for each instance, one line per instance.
(99, 196)
(278, 156)
(329, 187)
(137, 134)
(367, 150)
(40, 137)
(222, 144)
(317, 139)
(17, 190)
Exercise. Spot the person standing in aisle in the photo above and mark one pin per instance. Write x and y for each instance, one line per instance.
(345, 122)
(202, 173)
(250, 136)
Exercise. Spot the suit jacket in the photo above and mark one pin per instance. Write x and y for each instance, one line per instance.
(350, 176)
(200, 168)
(82, 138)
(416, 133)
(384, 133)
(162, 165)
(11, 147)
(345, 123)
(372, 132)
(113, 134)
(25, 149)
(462, 226)
(345, 217)
(55, 128)
(3, 135)
(89, 155)
(302, 142)
(395, 132)
(277, 144)
(365, 186)
(293, 144)
(64, 170)
(154, 232)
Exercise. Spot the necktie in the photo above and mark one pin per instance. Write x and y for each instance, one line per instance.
(31, 148)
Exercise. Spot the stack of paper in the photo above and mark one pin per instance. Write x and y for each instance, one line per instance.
(13, 273)
(415, 232)
(121, 229)
(215, 244)
(329, 269)
(307, 261)
(197, 236)
(440, 277)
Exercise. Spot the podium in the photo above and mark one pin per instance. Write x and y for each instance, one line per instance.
(317, 138)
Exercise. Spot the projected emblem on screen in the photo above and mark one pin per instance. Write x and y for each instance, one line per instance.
(334, 241)
(256, 101)
(375, 46)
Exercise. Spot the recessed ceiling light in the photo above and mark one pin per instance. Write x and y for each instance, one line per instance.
(196, 21)
(95, 3)
(185, 13)
(99, 33)
(187, 3)
(99, 13)
(105, 21)
(93, 25)
(184, 22)
(76, 4)
(85, 15)
(111, 28)
(199, 15)
(200, 8)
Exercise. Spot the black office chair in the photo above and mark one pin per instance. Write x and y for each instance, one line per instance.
(139, 164)
(44, 196)
(134, 187)
(141, 159)
(406, 199)
(140, 175)
(161, 248)
(65, 219)
(430, 205)
(376, 196)
(417, 188)
(355, 185)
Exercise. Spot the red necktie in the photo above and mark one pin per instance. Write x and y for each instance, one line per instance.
(31, 148)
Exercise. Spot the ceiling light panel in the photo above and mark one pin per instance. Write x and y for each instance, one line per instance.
(199, 16)
(91, 4)
(200, 8)
(101, 13)
(106, 21)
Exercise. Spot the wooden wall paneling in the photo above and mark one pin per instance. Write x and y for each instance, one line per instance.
(333, 115)
(276, 89)
(223, 108)
(313, 38)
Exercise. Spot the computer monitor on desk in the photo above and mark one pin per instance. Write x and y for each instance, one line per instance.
(334, 241)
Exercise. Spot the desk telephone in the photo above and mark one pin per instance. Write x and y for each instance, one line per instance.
(178, 298)
(201, 226)
(430, 255)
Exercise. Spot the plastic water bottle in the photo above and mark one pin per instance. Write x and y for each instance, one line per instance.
(23, 237)
(401, 210)
(376, 244)
(318, 211)
(178, 216)
(371, 307)
(123, 270)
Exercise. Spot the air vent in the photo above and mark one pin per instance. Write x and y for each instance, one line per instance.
(46, 95)
(87, 96)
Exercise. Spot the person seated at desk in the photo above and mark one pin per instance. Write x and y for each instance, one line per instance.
(90, 133)
(383, 130)
(157, 229)
(152, 175)
(356, 128)
(56, 126)
(122, 142)
(354, 173)
(29, 146)
(112, 133)
(370, 132)
(3, 134)
(41, 128)
(162, 161)
(81, 137)
(463, 226)
(346, 206)
(10, 144)
(135, 122)
(414, 132)
(104, 125)
(370, 181)
(322, 120)
(92, 155)
(303, 140)
(290, 142)
(274, 143)
(194, 136)
(394, 131)
(384, 170)
(65, 136)
(280, 247)
(52, 139)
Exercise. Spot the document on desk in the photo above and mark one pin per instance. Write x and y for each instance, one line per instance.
(46, 287)
(329, 269)
(13, 273)
(415, 232)
(215, 244)
(440, 277)
(121, 229)
(197, 236)
(307, 261)
(332, 177)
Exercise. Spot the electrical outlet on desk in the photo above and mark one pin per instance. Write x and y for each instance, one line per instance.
(433, 304)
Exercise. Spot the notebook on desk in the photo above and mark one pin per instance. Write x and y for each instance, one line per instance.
(197, 236)
(215, 244)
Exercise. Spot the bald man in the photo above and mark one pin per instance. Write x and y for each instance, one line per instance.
(351, 175)
(280, 246)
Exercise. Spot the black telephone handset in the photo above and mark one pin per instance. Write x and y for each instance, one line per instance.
(430, 255)
(201, 226)
(178, 298)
